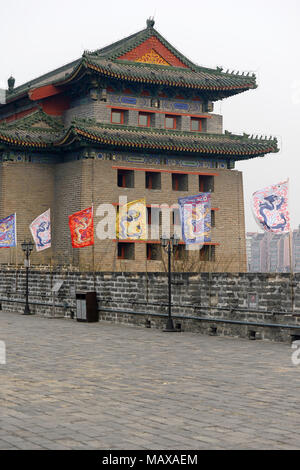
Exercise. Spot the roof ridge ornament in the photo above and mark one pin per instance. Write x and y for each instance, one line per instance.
(11, 83)
(150, 22)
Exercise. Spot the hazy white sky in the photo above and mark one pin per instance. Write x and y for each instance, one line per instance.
(262, 36)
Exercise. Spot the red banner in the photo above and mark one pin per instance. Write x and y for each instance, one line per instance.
(82, 228)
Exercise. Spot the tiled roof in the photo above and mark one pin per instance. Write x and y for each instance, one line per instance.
(36, 130)
(26, 138)
(41, 131)
(105, 62)
(170, 76)
(119, 48)
(39, 119)
(140, 139)
(46, 79)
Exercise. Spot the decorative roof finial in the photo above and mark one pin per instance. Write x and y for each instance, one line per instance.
(150, 22)
(11, 83)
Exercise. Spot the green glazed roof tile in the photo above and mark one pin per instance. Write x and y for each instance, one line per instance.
(225, 145)
(105, 61)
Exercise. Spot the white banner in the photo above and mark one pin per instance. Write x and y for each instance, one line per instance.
(41, 231)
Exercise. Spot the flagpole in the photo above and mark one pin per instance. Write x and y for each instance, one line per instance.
(16, 253)
(16, 249)
(291, 255)
(93, 250)
(291, 270)
(16, 239)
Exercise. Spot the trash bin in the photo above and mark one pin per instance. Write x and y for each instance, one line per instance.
(87, 307)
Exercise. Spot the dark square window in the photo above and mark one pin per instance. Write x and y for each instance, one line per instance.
(179, 182)
(144, 119)
(153, 251)
(117, 116)
(208, 253)
(153, 180)
(125, 250)
(196, 124)
(170, 122)
(126, 178)
(206, 184)
(181, 253)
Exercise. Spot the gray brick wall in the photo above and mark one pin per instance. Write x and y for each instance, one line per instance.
(67, 190)
(88, 108)
(227, 304)
(215, 124)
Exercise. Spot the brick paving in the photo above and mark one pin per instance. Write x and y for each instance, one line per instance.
(71, 385)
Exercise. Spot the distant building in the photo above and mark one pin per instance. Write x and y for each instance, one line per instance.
(267, 252)
(296, 250)
(256, 255)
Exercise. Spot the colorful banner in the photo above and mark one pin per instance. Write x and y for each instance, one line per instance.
(195, 214)
(41, 231)
(82, 228)
(270, 208)
(131, 221)
(8, 232)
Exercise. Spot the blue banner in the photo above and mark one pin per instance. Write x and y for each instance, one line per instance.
(195, 214)
(8, 232)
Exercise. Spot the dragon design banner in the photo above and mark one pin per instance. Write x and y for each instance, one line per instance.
(8, 231)
(131, 221)
(82, 228)
(270, 208)
(41, 231)
(195, 214)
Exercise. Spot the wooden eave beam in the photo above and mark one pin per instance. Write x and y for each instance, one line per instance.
(43, 92)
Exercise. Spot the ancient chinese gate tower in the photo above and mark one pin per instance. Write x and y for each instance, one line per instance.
(132, 119)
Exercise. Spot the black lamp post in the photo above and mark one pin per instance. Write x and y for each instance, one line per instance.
(169, 245)
(27, 247)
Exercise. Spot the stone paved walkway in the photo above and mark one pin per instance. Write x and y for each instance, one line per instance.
(70, 385)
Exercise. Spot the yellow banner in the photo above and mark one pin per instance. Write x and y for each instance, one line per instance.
(131, 221)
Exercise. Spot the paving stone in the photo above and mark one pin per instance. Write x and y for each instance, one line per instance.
(70, 385)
